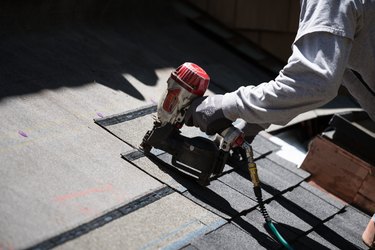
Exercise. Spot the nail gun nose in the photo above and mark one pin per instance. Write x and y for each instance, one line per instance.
(232, 137)
(239, 141)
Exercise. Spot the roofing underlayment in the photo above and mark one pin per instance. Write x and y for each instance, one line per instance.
(66, 182)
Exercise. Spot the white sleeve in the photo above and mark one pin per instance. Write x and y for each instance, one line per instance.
(310, 79)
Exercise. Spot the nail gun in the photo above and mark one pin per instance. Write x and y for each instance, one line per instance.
(199, 157)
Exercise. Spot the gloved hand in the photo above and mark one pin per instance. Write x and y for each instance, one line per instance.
(249, 129)
(207, 114)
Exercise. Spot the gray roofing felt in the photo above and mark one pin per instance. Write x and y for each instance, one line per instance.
(62, 180)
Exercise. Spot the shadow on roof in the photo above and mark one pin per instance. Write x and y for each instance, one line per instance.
(50, 44)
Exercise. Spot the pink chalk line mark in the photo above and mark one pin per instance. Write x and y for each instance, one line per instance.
(85, 210)
(74, 195)
(21, 133)
(100, 115)
(6, 247)
(153, 101)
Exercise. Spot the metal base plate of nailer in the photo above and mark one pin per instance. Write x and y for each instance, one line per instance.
(197, 156)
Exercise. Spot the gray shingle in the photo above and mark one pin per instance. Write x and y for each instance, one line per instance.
(316, 242)
(163, 173)
(311, 203)
(288, 165)
(254, 224)
(220, 198)
(242, 183)
(327, 197)
(231, 237)
(345, 229)
(295, 219)
(275, 177)
(334, 236)
(262, 145)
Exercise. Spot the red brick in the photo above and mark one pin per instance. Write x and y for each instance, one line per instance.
(334, 169)
(364, 203)
(366, 194)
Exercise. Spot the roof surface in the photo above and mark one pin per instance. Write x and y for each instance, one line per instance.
(63, 182)
(306, 216)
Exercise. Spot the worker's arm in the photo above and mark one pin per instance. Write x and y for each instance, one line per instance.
(310, 79)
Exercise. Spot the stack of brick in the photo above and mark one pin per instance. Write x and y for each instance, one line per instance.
(270, 24)
(341, 173)
(341, 160)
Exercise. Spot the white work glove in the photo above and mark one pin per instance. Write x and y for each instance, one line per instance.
(249, 129)
(206, 113)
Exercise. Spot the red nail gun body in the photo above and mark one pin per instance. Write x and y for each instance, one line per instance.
(199, 157)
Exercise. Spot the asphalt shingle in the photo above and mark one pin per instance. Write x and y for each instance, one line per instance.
(274, 178)
(230, 236)
(162, 172)
(325, 196)
(241, 182)
(220, 198)
(345, 228)
(343, 231)
(288, 165)
(296, 207)
(254, 224)
(262, 145)
(311, 203)
(295, 219)
(316, 242)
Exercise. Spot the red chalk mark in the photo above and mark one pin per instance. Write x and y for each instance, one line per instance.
(119, 197)
(6, 246)
(85, 210)
(74, 195)
(21, 133)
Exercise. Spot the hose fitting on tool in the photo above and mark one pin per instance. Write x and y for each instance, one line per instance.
(251, 165)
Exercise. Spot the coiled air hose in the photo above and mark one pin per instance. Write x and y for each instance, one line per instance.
(252, 167)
